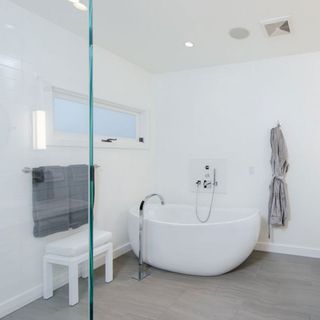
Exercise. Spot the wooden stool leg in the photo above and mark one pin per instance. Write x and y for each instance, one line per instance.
(47, 279)
(109, 264)
(73, 284)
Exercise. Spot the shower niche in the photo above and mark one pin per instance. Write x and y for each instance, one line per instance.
(208, 173)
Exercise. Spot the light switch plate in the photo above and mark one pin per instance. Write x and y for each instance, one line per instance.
(202, 169)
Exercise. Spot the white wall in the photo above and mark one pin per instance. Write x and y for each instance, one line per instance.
(126, 175)
(227, 112)
(35, 48)
(221, 112)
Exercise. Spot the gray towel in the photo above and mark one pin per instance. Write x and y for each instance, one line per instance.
(50, 196)
(78, 189)
(60, 198)
(278, 209)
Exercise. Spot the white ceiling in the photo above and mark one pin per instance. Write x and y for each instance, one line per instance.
(152, 33)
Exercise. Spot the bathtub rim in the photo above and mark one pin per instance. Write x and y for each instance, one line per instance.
(255, 213)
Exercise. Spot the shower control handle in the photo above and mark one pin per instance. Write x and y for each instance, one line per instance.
(207, 184)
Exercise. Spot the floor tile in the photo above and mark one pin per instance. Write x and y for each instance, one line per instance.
(266, 287)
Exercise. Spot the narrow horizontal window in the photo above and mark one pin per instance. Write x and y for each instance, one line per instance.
(70, 116)
(113, 123)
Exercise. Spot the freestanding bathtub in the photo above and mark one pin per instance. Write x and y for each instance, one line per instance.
(176, 241)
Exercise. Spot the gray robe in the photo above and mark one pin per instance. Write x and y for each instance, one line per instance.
(278, 200)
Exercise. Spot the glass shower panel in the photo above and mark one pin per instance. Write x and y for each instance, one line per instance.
(43, 172)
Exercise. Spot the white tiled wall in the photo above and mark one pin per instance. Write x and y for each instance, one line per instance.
(226, 112)
(35, 53)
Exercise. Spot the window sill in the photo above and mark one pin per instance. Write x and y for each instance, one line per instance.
(99, 145)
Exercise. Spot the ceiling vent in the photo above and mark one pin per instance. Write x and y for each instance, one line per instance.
(277, 27)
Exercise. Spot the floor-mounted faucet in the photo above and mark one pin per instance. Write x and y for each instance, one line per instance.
(141, 274)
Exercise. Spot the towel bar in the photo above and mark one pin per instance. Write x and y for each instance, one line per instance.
(29, 170)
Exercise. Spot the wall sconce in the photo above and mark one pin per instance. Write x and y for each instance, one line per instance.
(39, 130)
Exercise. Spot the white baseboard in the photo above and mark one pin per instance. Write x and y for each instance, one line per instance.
(35, 293)
(120, 251)
(28, 296)
(19, 301)
(287, 249)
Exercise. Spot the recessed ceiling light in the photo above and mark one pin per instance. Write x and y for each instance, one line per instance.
(80, 6)
(189, 44)
(239, 33)
(74, 1)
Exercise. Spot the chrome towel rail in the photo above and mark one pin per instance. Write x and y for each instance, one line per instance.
(29, 170)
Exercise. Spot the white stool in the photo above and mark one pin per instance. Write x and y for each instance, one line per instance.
(71, 252)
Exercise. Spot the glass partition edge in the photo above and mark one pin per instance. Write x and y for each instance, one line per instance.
(91, 164)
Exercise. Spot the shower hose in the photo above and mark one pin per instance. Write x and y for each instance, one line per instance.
(211, 203)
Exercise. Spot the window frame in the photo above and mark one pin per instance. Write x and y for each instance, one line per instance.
(56, 138)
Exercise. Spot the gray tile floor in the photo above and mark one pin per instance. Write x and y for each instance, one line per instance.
(265, 287)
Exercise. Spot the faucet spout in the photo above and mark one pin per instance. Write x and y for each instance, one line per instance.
(141, 272)
(148, 198)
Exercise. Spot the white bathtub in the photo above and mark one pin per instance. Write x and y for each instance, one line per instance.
(176, 241)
